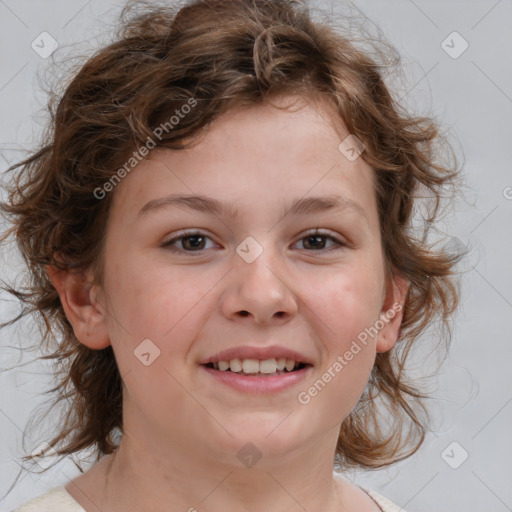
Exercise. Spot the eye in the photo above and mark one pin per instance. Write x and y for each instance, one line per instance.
(317, 241)
(189, 242)
(196, 242)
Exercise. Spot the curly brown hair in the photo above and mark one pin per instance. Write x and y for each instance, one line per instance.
(225, 54)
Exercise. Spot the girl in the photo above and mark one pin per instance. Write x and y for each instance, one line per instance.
(219, 239)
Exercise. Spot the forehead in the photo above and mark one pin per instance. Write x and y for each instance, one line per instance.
(258, 156)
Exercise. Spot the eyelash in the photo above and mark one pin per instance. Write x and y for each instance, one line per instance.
(168, 245)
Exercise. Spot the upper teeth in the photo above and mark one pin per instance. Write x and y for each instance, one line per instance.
(255, 365)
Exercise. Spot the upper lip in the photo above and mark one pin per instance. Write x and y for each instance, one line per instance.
(261, 353)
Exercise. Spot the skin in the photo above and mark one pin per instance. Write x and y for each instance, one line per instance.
(182, 429)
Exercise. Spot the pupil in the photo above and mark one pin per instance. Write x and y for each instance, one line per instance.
(318, 238)
(194, 237)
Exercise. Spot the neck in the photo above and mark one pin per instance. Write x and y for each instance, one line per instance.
(141, 477)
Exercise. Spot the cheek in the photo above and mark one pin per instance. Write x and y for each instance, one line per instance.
(347, 301)
(336, 391)
(156, 302)
(345, 310)
(348, 343)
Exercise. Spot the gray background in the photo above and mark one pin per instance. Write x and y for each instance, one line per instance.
(472, 96)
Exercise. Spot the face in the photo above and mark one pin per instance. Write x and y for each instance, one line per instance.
(261, 279)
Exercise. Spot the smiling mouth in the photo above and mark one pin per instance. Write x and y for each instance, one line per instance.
(256, 368)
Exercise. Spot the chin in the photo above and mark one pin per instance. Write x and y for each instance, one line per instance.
(264, 435)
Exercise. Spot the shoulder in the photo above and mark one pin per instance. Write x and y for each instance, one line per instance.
(384, 503)
(55, 500)
(358, 497)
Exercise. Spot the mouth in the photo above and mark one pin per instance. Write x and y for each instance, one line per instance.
(258, 368)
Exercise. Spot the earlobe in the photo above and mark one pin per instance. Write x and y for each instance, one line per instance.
(392, 312)
(82, 309)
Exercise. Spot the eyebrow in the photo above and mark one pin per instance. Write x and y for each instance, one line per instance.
(302, 206)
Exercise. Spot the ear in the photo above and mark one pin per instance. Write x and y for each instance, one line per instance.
(393, 303)
(79, 300)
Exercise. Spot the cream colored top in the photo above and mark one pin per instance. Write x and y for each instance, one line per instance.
(59, 500)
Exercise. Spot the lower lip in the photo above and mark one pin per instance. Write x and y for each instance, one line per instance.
(258, 385)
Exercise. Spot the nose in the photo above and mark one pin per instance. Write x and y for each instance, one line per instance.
(259, 292)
